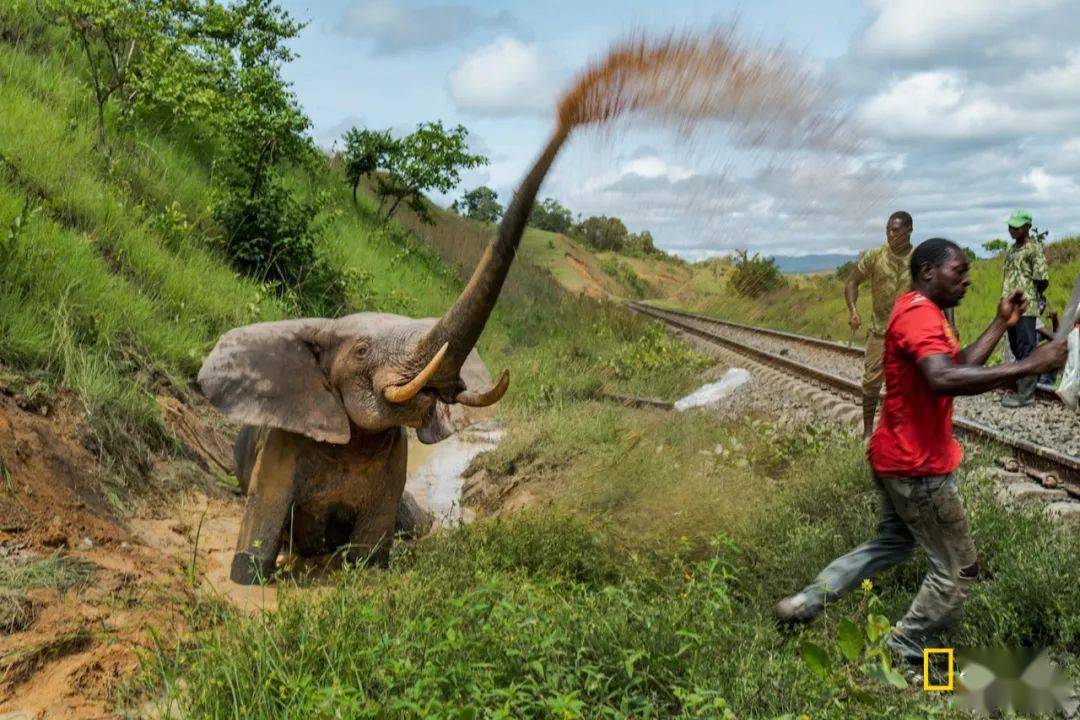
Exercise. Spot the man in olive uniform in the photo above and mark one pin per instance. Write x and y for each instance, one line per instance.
(1025, 269)
(886, 269)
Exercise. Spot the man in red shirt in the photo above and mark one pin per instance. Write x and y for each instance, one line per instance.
(913, 452)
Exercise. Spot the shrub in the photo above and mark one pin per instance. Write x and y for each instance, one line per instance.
(272, 237)
(754, 275)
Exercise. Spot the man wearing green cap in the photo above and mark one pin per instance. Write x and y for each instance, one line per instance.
(1025, 269)
(885, 268)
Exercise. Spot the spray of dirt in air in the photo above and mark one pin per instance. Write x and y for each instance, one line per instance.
(730, 106)
(685, 80)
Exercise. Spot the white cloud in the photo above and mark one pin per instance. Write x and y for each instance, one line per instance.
(942, 105)
(925, 29)
(396, 26)
(506, 77)
(1050, 186)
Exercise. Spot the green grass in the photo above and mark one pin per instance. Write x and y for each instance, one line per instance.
(640, 584)
(588, 609)
(56, 572)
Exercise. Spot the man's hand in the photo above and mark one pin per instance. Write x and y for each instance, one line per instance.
(1012, 307)
(854, 321)
(1048, 357)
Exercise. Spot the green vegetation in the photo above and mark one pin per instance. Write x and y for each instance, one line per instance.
(640, 583)
(644, 591)
(481, 204)
(56, 571)
(404, 169)
(753, 275)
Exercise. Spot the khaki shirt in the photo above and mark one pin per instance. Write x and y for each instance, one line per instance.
(889, 278)
(1023, 266)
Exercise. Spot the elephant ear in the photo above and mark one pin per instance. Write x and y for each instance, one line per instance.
(451, 418)
(270, 374)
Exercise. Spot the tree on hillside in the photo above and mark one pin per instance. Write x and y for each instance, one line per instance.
(641, 244)
(114, 36)
(430, 159)
(551, 216)
(602, 232)
(997, 245)
(213, 69)
(480, 204)
(754, 275)
(365, 152)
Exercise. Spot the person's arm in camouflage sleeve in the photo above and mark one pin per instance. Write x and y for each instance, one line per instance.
(851, 291)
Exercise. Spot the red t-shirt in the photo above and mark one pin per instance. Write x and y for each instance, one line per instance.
(914, 437)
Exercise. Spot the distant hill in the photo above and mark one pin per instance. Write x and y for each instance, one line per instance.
(810, 263)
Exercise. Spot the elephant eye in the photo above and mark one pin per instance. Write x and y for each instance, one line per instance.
(361, 349)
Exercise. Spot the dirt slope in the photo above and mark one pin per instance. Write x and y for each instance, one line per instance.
(72, 649)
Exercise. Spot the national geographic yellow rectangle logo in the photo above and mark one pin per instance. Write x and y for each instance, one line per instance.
(926, 684)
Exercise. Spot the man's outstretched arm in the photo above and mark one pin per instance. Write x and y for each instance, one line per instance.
(948, 378)
(1009, 312)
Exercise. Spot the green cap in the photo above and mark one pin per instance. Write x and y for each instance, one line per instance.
(1020, 218)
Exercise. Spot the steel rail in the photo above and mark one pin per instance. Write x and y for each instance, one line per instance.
(1066, 466)
(1046, 392)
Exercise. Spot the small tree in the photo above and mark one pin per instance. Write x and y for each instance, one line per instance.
(113, 36)
(365, 152)
(602, 232)
(997, 245)
(754, 275)
(430, 159)
(480, 204)
(551, 216)
(641, 244)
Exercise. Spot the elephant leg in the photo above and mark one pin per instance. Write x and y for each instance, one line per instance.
(373, 533)
(245, 451)
(270, 496)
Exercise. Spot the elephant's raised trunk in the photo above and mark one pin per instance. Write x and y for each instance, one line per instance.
(464, 321)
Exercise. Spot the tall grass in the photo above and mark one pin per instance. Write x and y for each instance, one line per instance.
(643, 591)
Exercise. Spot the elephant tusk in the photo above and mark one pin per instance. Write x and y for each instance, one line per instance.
(473, 398)
(404, 393)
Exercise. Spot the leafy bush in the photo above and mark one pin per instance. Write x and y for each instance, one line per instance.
(272, 237)
(656, 352)
(480, 204)
(624, 273)
(754, 276)
(551, 216)
(844, 270)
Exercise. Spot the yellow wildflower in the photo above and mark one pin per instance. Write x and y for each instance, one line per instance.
(867, 585)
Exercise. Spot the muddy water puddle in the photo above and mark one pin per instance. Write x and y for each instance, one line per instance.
(435, 471)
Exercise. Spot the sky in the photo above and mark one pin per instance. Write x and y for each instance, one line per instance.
(963, 110)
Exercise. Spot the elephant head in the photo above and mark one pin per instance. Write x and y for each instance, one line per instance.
(314, 376)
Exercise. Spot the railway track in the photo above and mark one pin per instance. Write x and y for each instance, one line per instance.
(822, 366)
(1044, 392)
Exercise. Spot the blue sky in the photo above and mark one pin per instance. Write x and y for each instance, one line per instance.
(965, 109)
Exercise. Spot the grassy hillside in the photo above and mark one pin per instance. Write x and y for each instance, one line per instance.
(639, 583)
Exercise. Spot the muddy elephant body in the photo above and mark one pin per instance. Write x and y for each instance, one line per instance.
(326, 402)
(315, 498)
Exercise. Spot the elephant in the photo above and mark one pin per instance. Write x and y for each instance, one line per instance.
(324, 403)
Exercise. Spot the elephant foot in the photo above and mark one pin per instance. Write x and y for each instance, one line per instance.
(251, 569)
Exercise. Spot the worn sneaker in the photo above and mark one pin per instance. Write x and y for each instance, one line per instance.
(1016, 400)
(797, 609)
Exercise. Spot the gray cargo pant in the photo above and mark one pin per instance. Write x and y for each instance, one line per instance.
(927, 511)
